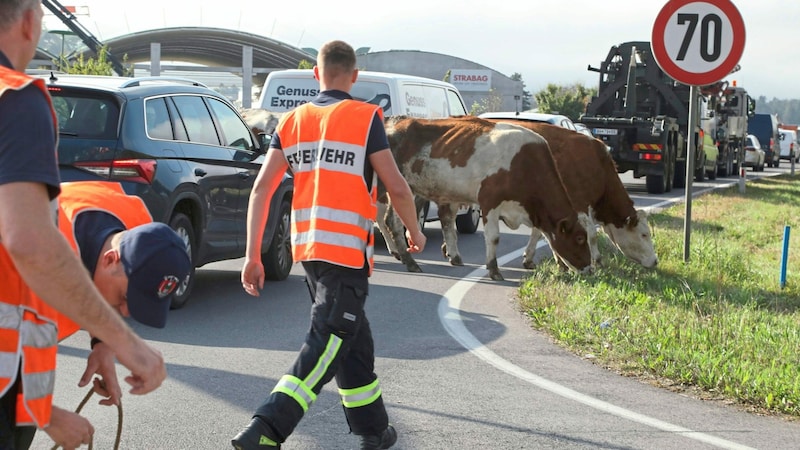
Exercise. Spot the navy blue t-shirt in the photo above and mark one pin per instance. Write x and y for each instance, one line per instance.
(27, 138)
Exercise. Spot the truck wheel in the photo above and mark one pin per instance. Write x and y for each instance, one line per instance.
(680, 175)
(656, 184)
(278, 258)
(183, 226)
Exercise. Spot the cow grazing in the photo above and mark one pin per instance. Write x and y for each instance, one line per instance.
(591, 179)
(506, 169)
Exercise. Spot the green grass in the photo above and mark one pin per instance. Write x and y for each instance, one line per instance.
(719, 324)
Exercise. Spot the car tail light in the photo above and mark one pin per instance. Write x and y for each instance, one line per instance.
(136, 170)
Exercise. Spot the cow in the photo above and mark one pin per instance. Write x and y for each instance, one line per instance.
(507, 170)
(590, 176)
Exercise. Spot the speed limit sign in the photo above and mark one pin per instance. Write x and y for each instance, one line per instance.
(698, 42)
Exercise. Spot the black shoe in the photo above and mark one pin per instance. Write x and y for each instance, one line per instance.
(379, 441)
(257, 435)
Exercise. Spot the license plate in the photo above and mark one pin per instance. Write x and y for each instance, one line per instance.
(605, 131)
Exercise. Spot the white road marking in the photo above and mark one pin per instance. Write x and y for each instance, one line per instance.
(449, 307)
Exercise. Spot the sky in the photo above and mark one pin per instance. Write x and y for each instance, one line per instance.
(544, 41)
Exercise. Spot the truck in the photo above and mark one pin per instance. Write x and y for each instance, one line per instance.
(765, 128)
(724, 116)
(642, 115)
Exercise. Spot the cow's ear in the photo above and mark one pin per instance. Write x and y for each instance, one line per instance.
(631, 221)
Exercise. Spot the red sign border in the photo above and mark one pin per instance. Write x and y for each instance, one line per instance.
(698, 78)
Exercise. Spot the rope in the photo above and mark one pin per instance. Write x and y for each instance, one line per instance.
(119, 420)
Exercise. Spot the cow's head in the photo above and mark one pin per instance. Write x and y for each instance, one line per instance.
(570, 240)
(634, 240)
(260, 120)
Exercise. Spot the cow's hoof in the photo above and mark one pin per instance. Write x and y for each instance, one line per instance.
(456, 261)
(413, 268)
(528, 264)
(496, 276)
(411, 264)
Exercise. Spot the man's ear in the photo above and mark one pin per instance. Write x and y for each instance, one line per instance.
(110, 257)
(355, 75)
(28, 19)
(316, 73)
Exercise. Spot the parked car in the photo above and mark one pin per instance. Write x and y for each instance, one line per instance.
(184, 149)
(555, 119)
(581, 128)
(765, 128)
(754, 155)
(789, 145)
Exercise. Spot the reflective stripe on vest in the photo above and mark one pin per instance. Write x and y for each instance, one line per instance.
(333, 208)
(27, 324)
(362, 396)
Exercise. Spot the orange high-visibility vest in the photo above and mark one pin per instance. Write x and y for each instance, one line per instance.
(333, 207)
(75, 198)
(81, 196)
(28, 329)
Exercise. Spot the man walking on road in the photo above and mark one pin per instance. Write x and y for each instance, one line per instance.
(334, 147)
(40, 275)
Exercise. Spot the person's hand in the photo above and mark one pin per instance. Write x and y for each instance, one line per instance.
(416, 242)
(253, 276)
(101, 362)
(68, 429)
(146, 365)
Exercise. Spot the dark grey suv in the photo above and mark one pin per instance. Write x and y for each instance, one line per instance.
(182, 148)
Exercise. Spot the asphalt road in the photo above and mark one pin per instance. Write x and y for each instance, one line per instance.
(459, 367)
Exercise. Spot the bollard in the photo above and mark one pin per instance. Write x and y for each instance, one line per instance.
(742, 177)
(786, 231)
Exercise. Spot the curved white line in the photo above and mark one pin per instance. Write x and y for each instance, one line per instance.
(449, 316)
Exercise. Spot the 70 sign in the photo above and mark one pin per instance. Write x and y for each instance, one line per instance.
(698, 42)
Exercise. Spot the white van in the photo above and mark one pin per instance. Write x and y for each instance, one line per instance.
(789, 145)
(397, 94)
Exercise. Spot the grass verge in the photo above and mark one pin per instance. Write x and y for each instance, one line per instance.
(719, 324)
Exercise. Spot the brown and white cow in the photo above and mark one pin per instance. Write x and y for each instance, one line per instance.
(506, 169)
(591, 179)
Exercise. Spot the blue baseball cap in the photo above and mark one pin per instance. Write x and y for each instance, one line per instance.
(156, 263)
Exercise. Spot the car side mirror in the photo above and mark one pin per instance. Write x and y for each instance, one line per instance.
(263, 140)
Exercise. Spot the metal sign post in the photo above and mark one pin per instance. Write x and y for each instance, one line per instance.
(697, 42)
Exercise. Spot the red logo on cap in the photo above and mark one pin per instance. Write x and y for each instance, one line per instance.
(168, 284)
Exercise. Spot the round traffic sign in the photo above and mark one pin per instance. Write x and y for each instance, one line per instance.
(698, 42)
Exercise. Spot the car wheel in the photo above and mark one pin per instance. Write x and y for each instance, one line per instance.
(468, 223)
(422, 212)
(278, 258)
(183, 226)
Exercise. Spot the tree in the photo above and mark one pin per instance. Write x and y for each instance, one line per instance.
(569, 100)
(305, 64)
(526, 95)
(492, 102)
(91, 66)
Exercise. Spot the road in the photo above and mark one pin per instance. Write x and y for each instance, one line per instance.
(459, 367)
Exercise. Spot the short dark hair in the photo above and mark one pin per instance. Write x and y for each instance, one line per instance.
(337, 57)
(11, 10)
